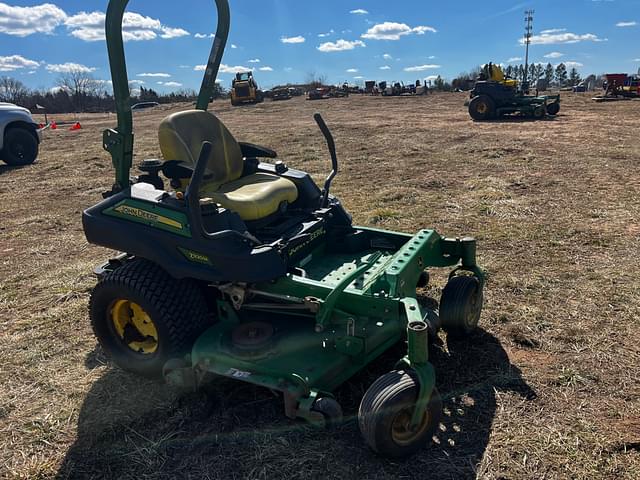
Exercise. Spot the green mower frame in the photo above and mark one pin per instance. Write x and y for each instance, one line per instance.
(298, 302)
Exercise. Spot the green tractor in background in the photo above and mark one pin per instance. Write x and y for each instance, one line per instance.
(494, 96)
(247, 269)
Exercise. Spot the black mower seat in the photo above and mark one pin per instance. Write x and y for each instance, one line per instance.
(254, 196)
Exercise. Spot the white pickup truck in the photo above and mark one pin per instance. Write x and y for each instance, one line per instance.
(19, 135)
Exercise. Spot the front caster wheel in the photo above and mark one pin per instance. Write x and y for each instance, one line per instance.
(553, 108)
(330, 410)
(385, 415)
(461, 305)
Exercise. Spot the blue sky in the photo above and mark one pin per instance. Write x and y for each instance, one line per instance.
(284, 40)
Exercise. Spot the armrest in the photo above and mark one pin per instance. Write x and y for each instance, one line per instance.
(249, 150)
(176, 169)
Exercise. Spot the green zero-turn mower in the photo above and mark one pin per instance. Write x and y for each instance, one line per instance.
(247, 269)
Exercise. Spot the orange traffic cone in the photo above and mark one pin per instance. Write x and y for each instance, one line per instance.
(54, 126)
(76, 126)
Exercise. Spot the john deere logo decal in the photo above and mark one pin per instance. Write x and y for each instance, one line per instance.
(148, 216)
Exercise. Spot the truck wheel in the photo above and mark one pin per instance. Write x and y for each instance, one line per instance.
(385, 415)
(143, 317)
(460, 306)
(482, 107)
(20, 147)
(553, 108)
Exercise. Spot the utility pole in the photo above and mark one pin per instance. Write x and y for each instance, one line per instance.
(528, 32)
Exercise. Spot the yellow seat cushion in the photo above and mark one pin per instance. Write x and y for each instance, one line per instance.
(255, 196)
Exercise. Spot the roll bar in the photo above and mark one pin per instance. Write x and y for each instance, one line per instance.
(119, 141)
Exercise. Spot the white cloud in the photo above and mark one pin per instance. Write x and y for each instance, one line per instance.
(554, 55)
(626, 24)
(352, 70)
(16, 62)
(266, 69)
(171, 84)
(358, 77)
(386, 56)
(514, 59)
(224, 68)
(69, 67)
(359, 11)
(233, 45)
(636, 59)
(323, 35)
(567, 37)
(171, 32)
(204, 35)
(421, 68)
(553, 30)
(393, 31)
(159, 75)
(573, 64)
(421, 30)
(254, 60)
(297, 39)
(89, 26)
(431, 57)
(386, 67)
(132, 82)
(23, 21)
(340, 45)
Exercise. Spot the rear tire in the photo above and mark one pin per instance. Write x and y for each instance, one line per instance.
(482, 107)
(20, 147)
(460, 306)
(142, 317)
(385, 413)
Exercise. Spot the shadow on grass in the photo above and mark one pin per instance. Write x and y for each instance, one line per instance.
(8, 168)
(131, 428)
(519, 119)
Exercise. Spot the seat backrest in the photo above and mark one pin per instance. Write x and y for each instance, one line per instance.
(181, 135)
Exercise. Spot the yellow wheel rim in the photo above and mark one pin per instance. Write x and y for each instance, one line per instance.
(401, 430)
(134, 327)
(482, 108)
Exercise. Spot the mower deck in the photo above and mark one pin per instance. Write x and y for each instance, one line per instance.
(338, 313)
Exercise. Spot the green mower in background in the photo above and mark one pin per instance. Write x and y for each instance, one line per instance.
(246, 269)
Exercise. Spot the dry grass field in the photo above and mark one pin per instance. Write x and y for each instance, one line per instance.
(549, 388)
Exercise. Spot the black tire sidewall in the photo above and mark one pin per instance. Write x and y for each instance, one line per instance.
(455, 302)
(27, 139)
(553, 108)
(473, 107)
(400, 391)
(102, 300)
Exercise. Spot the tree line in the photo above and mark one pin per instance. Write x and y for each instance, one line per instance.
(78, 91)
(538, 74)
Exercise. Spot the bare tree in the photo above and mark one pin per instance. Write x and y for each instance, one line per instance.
(316, 79)
(80, 85)
(12, 90)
